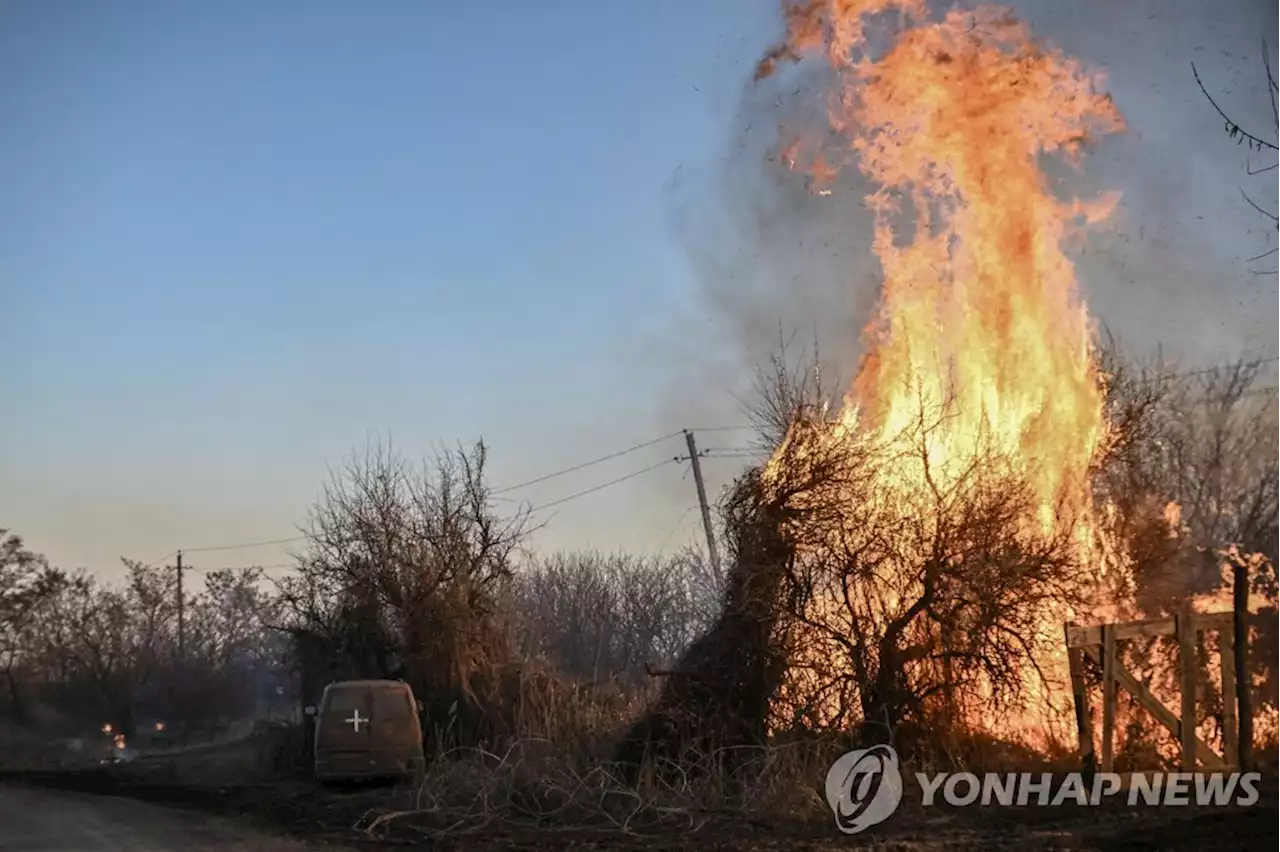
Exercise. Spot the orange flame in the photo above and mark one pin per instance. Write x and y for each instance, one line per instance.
(980, 318)
(979, 310)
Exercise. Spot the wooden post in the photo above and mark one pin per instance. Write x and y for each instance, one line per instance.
(1168, 719)
(177, 707)
(1185, 628)
(1108, 696)
(712, 553)
(1227, 651)
(1080, 696)
(1244, 680)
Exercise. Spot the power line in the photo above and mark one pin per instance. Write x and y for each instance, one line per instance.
(244, 546)
(602, 486)
(530, 510)
(586, 464)
(208, 569)
(154, 562)
(544, 478)
(666, 539)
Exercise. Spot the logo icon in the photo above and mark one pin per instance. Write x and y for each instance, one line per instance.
(864, 787)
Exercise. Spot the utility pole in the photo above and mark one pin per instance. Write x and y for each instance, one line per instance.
(706, 510)
(181, 623)
(178, 666)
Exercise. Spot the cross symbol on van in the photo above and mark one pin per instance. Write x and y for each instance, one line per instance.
(355, 721)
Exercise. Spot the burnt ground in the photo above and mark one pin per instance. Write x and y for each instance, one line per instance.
(340, 818)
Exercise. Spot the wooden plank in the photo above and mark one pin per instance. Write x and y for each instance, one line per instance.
(1108, 697)
(1213, 620)
(1080, 697)
(1156, 708)
(1081, 637)
(1227, 651)
(1187, 686)
(1085, 636)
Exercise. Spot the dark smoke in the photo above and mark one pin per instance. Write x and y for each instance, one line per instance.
(777, 262)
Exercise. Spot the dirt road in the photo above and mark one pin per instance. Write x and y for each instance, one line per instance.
(42, 813)
(40, 820)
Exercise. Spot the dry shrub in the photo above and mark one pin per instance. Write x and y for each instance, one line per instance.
(606, 617)
(534, 702)
(716, 699)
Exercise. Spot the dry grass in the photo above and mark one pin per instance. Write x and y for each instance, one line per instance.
(530, 786)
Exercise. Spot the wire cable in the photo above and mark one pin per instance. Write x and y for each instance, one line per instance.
(601, 486)
(209, 569)
(154, 562)
(585, 464)
(244, 546)
(666, 539)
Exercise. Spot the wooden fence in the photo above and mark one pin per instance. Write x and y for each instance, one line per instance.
(1099, 644)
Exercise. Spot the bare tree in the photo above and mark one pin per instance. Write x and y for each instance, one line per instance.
(106, 645)
(1255, 143)
(404, 574)
(789, 384)
(1200, 444)
(26, 581)
(603, 617)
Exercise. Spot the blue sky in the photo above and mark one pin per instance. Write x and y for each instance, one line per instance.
(238, 239)
(235, 239)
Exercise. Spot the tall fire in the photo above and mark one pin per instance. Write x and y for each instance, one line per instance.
(957, 527)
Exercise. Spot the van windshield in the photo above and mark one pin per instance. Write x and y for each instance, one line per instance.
(346, 699)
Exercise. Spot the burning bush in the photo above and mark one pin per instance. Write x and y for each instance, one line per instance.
(915, 555)
(903, 601)
(926, 544)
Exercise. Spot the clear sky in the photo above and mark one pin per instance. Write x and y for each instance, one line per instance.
(239, 239)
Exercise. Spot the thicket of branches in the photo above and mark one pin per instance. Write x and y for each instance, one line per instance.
(405, 574)
(79, 653)
(1261, 150)
(411, 572)
(615, 617)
